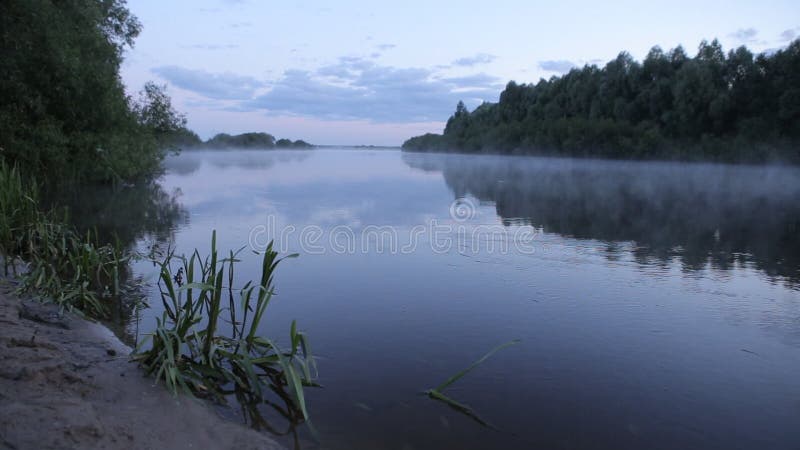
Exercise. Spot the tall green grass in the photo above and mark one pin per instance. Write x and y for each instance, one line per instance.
(206, 342)
(18, 210)
(74, 270)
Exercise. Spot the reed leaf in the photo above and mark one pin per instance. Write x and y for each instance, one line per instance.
(437, 394)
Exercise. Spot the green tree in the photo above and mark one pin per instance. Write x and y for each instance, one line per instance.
(712, 105)
(64, 108)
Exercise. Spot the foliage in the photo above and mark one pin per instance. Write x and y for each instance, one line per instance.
(735, 107)
(190, 351)
(245, 140)
(186, 140)
(75, 271)
(287, 143)
(154, 112)
(18, 210)
(64, 110)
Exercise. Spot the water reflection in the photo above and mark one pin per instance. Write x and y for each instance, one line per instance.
(700, 214)
(128, 214)
(615, 353)
(189, 162)
(137, 217)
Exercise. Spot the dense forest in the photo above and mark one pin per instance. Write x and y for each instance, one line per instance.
(734, 107)
(64, 111)
(190, 140)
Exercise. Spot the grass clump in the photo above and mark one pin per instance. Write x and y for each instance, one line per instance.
(206, 341)
(18, 210)
(74, 270)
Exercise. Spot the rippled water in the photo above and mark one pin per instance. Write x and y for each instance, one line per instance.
(657, 304)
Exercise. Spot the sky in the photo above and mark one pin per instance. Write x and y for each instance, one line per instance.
(376, 73)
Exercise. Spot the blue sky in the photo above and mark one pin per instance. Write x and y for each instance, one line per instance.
(366, 72)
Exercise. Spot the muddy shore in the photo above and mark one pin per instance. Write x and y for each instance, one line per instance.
(67, 383)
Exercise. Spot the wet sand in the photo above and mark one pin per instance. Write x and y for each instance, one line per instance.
(66, 382)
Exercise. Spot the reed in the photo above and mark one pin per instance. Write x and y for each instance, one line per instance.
(74, 270)
(437, 393)
(194, 350)
(205, 343)
(18, 209)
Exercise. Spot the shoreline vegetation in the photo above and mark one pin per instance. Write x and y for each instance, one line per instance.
(188, 140)
(66, 382)
(738, 107)
(66, 118)
(55, 264)
(65, 115)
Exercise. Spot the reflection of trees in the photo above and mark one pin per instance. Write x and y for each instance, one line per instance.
(129, 213)
(190, 161)
(123, 216)
(701, 214)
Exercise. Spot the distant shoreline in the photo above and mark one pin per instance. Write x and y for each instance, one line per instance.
(770, 156)
(312, 147)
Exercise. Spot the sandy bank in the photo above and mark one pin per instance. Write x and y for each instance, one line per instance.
(67, 383)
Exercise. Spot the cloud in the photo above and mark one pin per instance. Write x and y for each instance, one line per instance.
(211, 46)
(480, 58)
(789, 35)
(744, 34)
(386, 46)
(225, 86)
(359, 89)
(352, 88)
(477, 81)
(560, 65)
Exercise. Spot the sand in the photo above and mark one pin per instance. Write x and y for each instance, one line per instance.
(66, 382)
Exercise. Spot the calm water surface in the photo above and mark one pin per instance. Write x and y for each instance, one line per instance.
(657, 304)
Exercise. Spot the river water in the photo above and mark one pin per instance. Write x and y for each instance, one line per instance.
(656, 304)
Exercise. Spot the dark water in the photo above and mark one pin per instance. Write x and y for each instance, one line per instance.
(657, 304)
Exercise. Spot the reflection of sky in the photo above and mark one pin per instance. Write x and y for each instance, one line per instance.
(609, 342)
(313, 187)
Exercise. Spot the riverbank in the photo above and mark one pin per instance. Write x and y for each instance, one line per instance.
(66, 382)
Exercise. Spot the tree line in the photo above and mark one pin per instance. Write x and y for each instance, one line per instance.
(64, 112)
(189, 140)
(738, 106)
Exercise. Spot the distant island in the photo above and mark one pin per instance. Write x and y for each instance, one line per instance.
(189, 140)
(734, 107)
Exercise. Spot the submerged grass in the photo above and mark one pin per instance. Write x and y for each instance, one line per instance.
(190, 352)
(74, 270)
(437, 392)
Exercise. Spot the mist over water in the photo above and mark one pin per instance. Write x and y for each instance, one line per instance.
(703, 215)
(659, 306)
